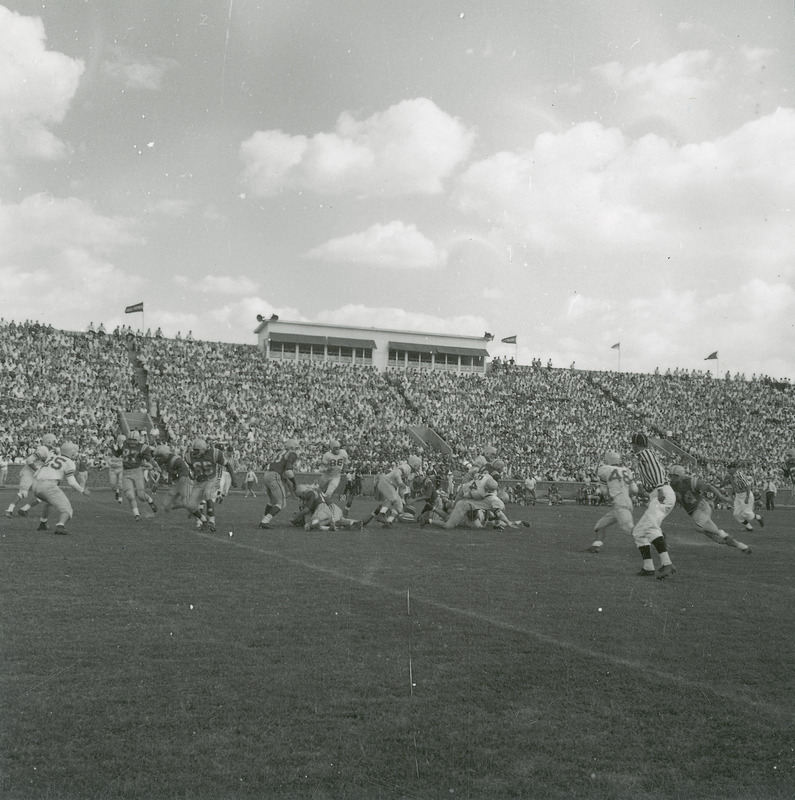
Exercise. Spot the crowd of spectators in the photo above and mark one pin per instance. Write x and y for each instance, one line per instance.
(554, 424)
(72, 384)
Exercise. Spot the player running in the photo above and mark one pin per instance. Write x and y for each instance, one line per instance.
(617, 484)
(690, 493)
(115, 468)
(334, 461)
(743, 498)
(179, 475)
(206, 464)
(135, 454)
(280, 473)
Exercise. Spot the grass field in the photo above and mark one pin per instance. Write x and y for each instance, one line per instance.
(149, 660)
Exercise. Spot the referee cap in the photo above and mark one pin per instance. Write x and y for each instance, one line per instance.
(640, 440)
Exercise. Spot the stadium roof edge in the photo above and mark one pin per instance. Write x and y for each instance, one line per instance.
(265, 322)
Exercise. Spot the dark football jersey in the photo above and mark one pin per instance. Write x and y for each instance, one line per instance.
(134, 454)
(284, 461)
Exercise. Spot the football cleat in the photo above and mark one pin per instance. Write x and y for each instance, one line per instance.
(357, 525)
(42, 526)
(60, 530)
(761, 522)
(21, 512)
(137, 517)
(266, 526)
(153, 506)
(747, 551)
(646, 573)
(9, 513)
(592, 549)
(665, 571)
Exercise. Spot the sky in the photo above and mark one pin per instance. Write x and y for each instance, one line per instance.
(575, 174)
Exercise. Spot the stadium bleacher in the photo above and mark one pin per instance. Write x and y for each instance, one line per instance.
(553, 423)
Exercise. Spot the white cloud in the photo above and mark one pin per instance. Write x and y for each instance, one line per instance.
(594, 191)
(43, 223)
(35, 91)
(686, 75)
(135, 73)
(395, 245)
(55, 267)
(412, 147)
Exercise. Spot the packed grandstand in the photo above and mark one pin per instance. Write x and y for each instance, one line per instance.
(554, 424)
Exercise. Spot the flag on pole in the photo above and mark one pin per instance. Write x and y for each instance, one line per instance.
(616, 346)
(711, 356)
(132, 309)
(488, 336)
(509, 340)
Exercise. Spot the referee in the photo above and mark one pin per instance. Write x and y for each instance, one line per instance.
(662, 499)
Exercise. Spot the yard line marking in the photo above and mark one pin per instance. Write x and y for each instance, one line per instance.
(646, 669)
(50, 677)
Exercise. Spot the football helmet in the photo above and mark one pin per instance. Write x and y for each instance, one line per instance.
(135, 436)
(198, 446)
(334, 446)
(415, 462)
(498, 465)
(69, 449)
(490, 451)
(48, 440)
(612, 458)
(677, 470)
(162, 452)
(291, 444)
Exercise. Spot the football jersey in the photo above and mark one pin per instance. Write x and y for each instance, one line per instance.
(56, 468)
(284, 461)
(134, 454)
(332, 464)
(176, 467)
(688, 494)
(616, 480)
(206, 465)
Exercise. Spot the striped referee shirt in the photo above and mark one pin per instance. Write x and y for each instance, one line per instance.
(652, 472)
(740, 482)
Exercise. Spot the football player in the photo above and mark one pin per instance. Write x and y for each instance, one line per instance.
(57, 468)
(33, 462)
(206, 464)
(279, 476)
(617, 485)
(691, 494)
(135, 454)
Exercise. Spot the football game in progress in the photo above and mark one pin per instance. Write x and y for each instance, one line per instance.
(396, 400)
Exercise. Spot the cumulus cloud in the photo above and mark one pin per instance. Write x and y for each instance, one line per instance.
(54, 253)
(724, 202)
(412, 147)
(395, 245)
(37, 87)
(135, 73)
(685, 76)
